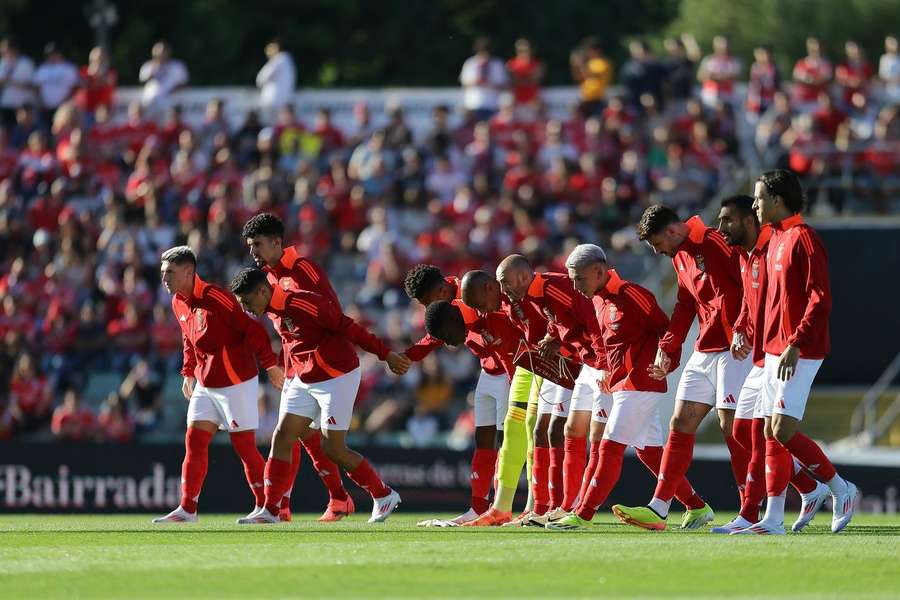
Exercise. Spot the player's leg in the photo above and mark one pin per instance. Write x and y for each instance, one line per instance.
(731, 374)
(694, 398)
(540, 474)
(556, 438)
(488, 394)
(576, 432)
(512, 452)
(240, 407)
(202, 423)
(336, 398)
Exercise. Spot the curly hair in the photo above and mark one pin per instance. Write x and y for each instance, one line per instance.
(264, 224)
(656, 218)
(438, 316)
(421, 280)
(247, 280)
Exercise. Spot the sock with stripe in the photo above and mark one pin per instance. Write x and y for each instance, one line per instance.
(484, 461)
(779, 469)
(244, 444)
(540, 484)
(676, 459)
(574, 471)
(811, 456)
(755, 487)
(740, 458)
(296, 458)
(364, 476)
(594, 457)
(801, 480)
(557, 459)
(327, 469)
(194, 467)
(651, 456)
(606, 474)
(512, 457)
(278, 475)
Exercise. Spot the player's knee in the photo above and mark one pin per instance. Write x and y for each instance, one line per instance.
(782, 432)
(574, 430)
(333, 447)
(680, 424)
(541, 438)
(726, 423)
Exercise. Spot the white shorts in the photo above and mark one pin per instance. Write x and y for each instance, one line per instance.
(554, 399)
(634, 419)
(329, 402)
(750, 402)
(589, 396)
(491, 400)
(788, 397)
(713, 378)
(234, 408)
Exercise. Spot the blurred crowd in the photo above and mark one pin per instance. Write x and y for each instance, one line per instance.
(89, 349)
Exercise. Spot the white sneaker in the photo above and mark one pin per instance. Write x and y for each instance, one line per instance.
(844, 506)
(179, 515)
(469, 515)
(521, 520)
(557, 513)
(810, 505)
(429, 523)
(762, 528)
(536, 520)
(383, 507)
(251, 514)
(736, 524)
(262, 517)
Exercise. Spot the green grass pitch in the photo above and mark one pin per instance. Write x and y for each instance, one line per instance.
(126, 557)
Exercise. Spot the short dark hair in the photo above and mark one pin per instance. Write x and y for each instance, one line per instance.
(421, 280)
(656, 218)
(437, 315)
(786, 184)
(741, 203)
(263, 224)
(179, 255)
(247, 280)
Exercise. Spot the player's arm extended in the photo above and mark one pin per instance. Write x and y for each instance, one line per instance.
(331, 317)
(423, 348)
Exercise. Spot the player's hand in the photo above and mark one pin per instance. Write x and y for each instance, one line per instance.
(787, 364)
(660, 367)
(398, 363)
(740, 346)
(187, 387)
(276, 376)
(548, 347)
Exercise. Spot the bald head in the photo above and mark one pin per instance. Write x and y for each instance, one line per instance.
(514, 273)
(480, 291)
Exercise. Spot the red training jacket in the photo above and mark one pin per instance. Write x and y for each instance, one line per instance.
(798, 294)
(753, 277)
(491, 336)
(221, 343)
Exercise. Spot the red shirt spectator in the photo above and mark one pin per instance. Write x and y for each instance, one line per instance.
(526, 73)
(811, 74)
(98, 82)
(72, 421)
(854, 74)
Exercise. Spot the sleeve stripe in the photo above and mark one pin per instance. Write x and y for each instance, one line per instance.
(309, 270)
(558, 295)
(642, 302)
(304, 306)
(221, 298)
(723, 245)
(807, 242)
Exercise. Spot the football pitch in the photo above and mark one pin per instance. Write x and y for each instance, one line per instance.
(127, 557)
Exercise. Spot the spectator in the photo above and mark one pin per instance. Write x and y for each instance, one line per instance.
(889, 70)
(16, 74)
(683, 54)
(141, 388)
(276, 80)
(642, 74)
(98, 84)
(29, 395)
(812, 74)
(854, 74)
(593, 72)
(115, 425)
(56, 80)
(483, 77)
(765, 81)
(162, 76)
(72, 421)
(717, 74)
(526, 72)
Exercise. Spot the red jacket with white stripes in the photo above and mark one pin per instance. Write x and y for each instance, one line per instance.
(295, 272)
(753, 308)
(320, 336)
(631, 323)
(221, 342)
(709, 287)
(491, 336)
(798, 291)
(570, 315)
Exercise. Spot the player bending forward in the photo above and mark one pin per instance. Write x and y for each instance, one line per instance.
(221, 346)
(628, 326)
(321, 340)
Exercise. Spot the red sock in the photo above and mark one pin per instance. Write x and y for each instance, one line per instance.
(588, 475)
(296, 458)
(483, 464)
(574, 473)
(811, 456)
(651, 456)
(755, 488)
(606, 474)
(557, 461)
(244, 444)
(740, 458)
(779, 468)
(328, 471)
(802, 481)
(365, 477)
(540, 473)
(676, 459)
(278, 475)
(193, 469)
